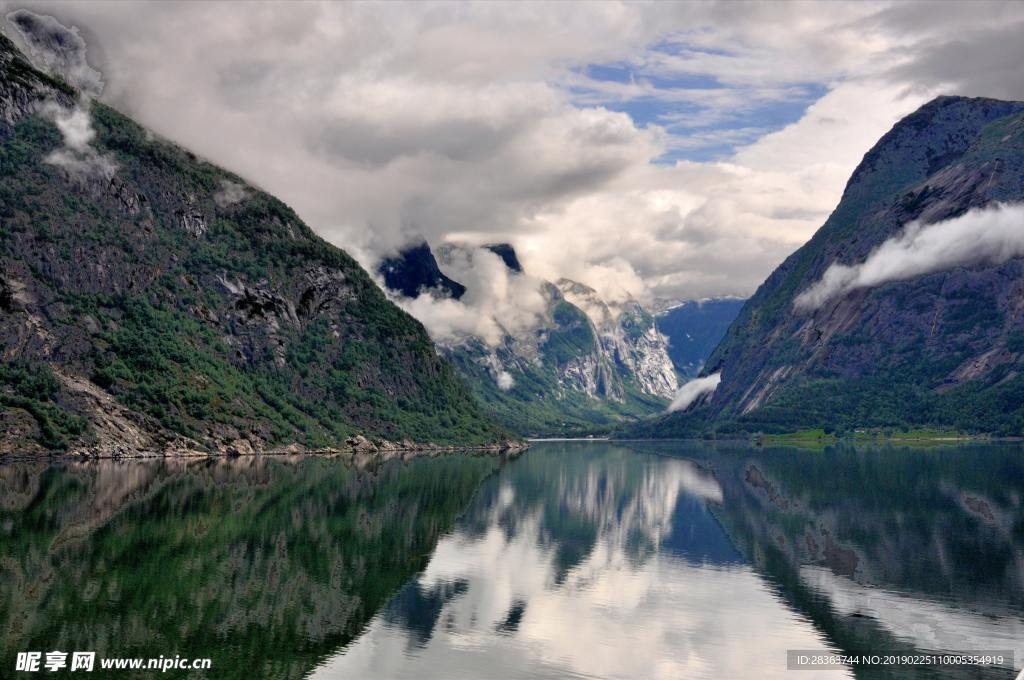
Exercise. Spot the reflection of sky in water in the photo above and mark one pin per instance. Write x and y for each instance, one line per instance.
(928, 625)
(616, 569)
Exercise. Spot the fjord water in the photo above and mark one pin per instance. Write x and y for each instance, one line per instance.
(602, 560)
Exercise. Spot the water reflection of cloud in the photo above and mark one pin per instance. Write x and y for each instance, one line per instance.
(614, 613)
(926, 624)
(698, 482)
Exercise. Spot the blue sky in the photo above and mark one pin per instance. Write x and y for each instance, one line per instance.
(689, 106)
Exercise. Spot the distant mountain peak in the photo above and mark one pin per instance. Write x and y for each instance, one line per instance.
(694, 328)
(507, 254)
(415, 270)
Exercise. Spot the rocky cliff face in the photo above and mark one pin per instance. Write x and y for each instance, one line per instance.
(152, 301)
(938, 348)
(586, 364)
(627, 340)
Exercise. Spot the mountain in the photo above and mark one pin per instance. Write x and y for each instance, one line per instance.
(414, 270)
(627, 340)
(694, 328)
(929, 332)
(150, 301)
(507, 254)
(587, 366)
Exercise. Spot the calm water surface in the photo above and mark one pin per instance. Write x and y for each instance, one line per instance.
(590, 560)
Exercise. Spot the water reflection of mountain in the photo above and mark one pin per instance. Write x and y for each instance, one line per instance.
(883, 548)
(264, 565)
(584, 560)
(631, 502)
(587, 560)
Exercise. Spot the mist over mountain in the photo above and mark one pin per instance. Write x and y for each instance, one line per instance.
(151, 301)
(579, 364)
(904, 309)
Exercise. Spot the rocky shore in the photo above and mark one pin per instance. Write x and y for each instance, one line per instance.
(357, 448)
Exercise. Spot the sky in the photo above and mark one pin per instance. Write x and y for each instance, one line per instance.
(656, 150)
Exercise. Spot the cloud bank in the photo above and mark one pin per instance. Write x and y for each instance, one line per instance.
(693, 389)
(658, 150)
(994, 234)
(497, 302)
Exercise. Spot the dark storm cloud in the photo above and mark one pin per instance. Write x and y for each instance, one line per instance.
(980, 63)
(971, 48)
(366, 142)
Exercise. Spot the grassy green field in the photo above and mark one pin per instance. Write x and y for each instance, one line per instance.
(813, 438)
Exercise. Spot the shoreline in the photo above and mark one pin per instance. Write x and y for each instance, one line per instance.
(359, 449)
(790, 440)
(568, 439)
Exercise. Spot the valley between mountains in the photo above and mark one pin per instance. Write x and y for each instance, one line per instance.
(153, 302)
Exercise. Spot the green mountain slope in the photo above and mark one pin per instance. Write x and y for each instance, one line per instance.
(150, 300)
(940, 349)
(584, 365)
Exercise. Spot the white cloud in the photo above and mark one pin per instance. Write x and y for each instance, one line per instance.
(74, 125)
(994, 234)
(77, 157)
(480, 122)
(230, 193)
(497, 301)
(693, 389)
(505, 380)
(695, 230)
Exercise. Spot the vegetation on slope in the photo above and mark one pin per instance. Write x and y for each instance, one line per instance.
(212, 320)
(537, 406)
(941, 350)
